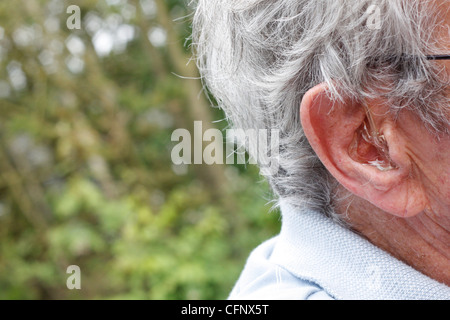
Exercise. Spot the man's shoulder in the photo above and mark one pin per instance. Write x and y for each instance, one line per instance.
(264, 279)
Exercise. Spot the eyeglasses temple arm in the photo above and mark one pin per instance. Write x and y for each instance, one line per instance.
(438, 57)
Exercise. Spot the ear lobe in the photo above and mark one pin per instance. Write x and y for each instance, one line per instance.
(378, 171)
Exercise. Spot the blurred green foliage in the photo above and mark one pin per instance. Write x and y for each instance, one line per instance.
(85, 171)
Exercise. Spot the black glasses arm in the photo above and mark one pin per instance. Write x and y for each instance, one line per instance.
(439, 57)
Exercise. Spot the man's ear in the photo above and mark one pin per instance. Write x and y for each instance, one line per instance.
(339, 134)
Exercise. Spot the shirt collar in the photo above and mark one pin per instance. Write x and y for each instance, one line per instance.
(347, 266)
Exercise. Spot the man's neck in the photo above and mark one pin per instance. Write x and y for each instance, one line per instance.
(421, 241)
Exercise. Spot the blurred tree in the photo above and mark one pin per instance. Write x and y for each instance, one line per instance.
(85, 171)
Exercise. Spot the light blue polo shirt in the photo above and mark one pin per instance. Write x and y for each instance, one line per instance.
(313, 257)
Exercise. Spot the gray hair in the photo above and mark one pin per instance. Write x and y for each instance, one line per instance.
(259, 57)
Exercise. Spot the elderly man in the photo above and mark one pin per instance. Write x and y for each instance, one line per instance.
(362, 107)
